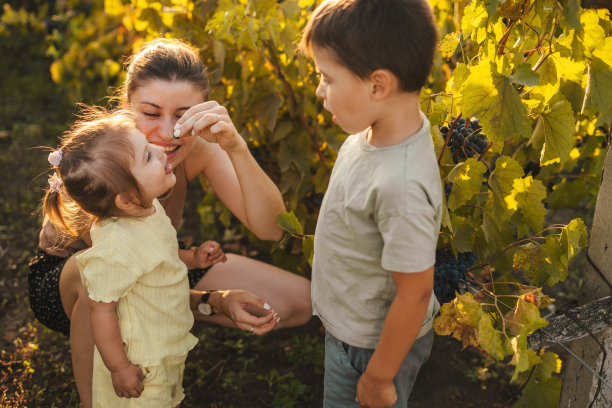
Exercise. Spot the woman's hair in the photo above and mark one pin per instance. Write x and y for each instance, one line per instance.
(92, 165)
(167, 59)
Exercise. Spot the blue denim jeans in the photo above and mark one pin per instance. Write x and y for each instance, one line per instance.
(344, 365)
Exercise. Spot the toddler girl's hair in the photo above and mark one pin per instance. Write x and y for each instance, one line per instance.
(167, 59)
(92, 165)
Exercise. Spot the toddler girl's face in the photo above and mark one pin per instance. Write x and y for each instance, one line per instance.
(150, 168)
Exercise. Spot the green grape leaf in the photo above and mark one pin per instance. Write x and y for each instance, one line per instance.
(541, 263)
(550, 363)
(501, 182)
(448, 45)
(290, 223)
(572, 70)
(308, 248)
(113, 7)
(152, 18)
(469, 309)
(593, 34)
(573, 237)
(467, 181)
(297, 150)
(571, 13)
(464, 233)
(544, 393)
(523, 358)
(491, 340)
(526, 317)
(491, 6)
(527, 195)
(601, 78)
(449, 322)
(493, 99)
(475, 16)
(535, 296)
(436, 118)
(558, 130)
(460, 74)
(524, 75)
(511, 10)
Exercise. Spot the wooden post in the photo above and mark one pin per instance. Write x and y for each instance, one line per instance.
(579, 384)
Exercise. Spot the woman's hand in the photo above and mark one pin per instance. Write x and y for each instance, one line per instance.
(127, 381)
(245, 309)
(207, 254)
(211, 122)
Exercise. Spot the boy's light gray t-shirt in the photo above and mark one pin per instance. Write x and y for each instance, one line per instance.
(381, 214)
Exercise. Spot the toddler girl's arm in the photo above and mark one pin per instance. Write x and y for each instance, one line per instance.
(127, 378)
(207, 254)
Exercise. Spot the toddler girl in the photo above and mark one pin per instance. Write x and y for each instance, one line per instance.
(108, 175)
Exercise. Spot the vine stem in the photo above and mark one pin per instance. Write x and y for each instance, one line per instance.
(587, 93)
(277, 70)
(448, 136)
(519, 242)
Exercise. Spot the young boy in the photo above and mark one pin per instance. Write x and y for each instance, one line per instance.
(375, 241)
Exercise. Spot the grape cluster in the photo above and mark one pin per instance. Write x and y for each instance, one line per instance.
(447, 272)
(465, 141)
(448, 188)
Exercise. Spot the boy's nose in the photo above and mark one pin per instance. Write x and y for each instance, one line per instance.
(320, 91)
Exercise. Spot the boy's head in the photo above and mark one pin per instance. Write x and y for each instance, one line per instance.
(365, 35)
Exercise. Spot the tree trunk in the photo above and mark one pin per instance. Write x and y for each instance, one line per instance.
(579, 384)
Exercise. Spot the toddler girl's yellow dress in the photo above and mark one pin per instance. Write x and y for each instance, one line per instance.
(134, 261)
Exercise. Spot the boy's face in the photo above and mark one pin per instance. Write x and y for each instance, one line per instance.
(344, 94)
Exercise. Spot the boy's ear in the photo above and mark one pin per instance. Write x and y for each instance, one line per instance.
(124, 202)
(383, 83)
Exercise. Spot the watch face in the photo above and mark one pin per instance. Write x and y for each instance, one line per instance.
(205, 309)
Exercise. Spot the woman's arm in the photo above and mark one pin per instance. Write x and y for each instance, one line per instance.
(127, 378)
(234, 304)
(233, 173)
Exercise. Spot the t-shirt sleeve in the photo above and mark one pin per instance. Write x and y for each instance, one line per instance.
(106, 280)
(409, 242)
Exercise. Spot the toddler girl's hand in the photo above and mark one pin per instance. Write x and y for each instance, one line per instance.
(127, 381)
(209, 253)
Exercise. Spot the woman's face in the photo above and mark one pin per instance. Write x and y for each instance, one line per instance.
(159, 104)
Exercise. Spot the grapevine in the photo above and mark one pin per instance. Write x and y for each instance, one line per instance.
(466, 138)
(447, 272)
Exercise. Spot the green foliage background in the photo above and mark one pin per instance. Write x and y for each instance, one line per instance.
(536, 72)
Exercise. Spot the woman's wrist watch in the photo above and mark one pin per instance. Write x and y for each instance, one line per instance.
(204, 307)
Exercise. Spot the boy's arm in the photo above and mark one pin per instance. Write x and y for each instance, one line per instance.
(413, 290)
(127, 378)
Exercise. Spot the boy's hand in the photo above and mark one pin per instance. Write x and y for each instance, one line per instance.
(207, 254)
(372, 393)
(127, 381)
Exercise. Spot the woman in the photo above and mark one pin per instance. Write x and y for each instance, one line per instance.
(167, 86)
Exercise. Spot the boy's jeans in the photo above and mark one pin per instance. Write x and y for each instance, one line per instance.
(344, 365)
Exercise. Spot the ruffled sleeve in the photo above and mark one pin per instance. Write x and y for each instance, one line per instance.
(105, 279)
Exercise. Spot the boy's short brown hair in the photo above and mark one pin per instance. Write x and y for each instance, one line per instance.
(366, 35)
